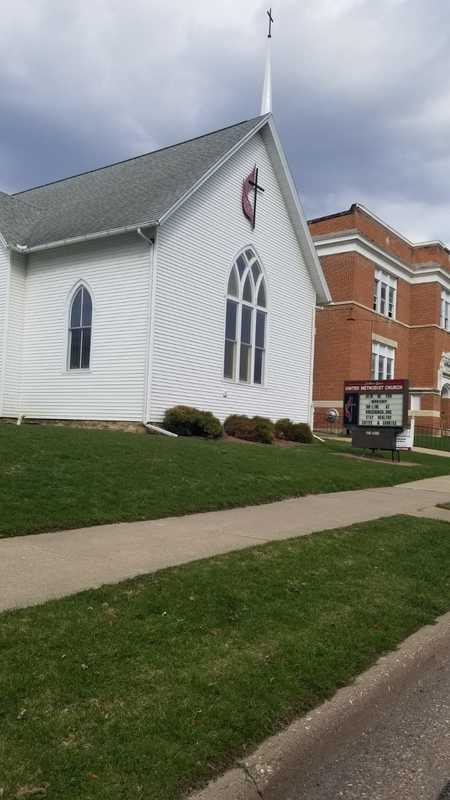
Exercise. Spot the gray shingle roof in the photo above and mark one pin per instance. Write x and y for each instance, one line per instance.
(134, 192)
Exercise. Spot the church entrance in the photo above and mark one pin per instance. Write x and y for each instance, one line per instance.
(445, 408)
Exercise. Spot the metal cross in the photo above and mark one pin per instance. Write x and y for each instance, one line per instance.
(256, 189)
(269, 14)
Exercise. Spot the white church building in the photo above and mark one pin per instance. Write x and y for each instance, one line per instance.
(182, 276)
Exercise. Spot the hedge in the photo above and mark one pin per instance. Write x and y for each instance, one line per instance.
(293, 431)
(252, 429)
(188, 421)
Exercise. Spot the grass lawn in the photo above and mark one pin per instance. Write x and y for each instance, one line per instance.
(149, 688)
(53, 478)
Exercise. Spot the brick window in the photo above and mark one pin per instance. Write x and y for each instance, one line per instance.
(384, 294)
(383, 359)
(445, 311)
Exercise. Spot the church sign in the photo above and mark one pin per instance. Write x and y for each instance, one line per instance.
(376, 411)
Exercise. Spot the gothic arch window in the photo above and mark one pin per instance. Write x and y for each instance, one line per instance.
(80, 327)
(246, 321)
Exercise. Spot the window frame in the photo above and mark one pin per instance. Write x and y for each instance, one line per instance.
(382, 354)
(384, 300)
(84, 288)
(251, 259)
(444, 320)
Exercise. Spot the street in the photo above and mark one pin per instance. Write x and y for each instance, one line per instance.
(402, 753)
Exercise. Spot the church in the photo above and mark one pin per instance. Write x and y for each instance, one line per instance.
(183, 276)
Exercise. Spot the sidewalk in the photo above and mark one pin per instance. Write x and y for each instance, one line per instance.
(37, 568)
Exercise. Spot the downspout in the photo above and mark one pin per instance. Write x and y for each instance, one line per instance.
(4, 342)
(151, 241)
(311, 369)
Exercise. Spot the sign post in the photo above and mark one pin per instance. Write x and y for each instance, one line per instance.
(376, 412)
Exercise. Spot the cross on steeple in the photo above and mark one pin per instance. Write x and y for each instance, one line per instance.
(271, 20)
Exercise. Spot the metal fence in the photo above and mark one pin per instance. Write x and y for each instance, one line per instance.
(432, 438)
(331, 429)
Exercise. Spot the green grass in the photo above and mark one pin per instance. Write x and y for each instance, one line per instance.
(149, 688)
(54, 478)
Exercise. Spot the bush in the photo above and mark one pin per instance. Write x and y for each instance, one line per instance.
(252, 429)
(187, 421)
(283, 428)
(293, 431)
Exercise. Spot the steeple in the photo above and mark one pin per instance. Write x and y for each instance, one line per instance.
(266, 100)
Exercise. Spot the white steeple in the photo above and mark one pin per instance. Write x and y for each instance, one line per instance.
(266, 100)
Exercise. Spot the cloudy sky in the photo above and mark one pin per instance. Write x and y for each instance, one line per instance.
(361, 92)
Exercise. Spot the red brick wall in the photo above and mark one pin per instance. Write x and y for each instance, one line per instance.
(379, 234)
(332, 354)
(425, 303)
(426, 254)
(344, 333)
(426, 347)
(339, 271)
(363, 281)
(341, 222)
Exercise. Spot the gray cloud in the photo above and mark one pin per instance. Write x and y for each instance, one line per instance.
(361, 93)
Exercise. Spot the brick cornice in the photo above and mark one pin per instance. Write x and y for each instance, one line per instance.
(356, 242)
(379, 317)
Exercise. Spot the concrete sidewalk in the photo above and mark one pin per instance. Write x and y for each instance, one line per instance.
(36, 568)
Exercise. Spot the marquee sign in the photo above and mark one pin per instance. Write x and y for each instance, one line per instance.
(376, 404)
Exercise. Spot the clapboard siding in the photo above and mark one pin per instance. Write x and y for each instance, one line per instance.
(116, 270)
(4, 293)
(196, 249)
(14, 338)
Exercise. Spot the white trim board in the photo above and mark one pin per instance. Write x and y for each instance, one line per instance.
(357, 243)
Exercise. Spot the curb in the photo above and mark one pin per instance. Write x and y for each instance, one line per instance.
(276, 768)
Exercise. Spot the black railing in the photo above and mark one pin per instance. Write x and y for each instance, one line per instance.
(432, 438)
(330, 429)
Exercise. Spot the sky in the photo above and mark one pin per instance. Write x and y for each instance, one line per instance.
(361, 93)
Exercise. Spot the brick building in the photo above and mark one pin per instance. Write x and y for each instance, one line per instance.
(390, 315)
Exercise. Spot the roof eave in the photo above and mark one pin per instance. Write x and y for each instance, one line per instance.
(23, 248)
(300, 224)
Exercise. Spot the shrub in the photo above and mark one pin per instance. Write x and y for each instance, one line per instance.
(252, 429)
(187, 421)
(293, 431)
(283, 428)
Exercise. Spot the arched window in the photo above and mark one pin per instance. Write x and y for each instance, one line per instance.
(245, 325)
(80, 323)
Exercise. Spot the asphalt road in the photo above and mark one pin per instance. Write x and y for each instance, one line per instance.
(402, 752)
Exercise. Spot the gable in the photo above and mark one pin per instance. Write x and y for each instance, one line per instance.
(292, 206)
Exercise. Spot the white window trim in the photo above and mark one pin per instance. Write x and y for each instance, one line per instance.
(255, 308)
(71, 297)
(381, 279)
(444, 321)
(380, 354)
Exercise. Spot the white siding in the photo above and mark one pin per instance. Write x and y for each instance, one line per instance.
(4, 293)
(14, 336)
(117, 273)
(196, 249)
